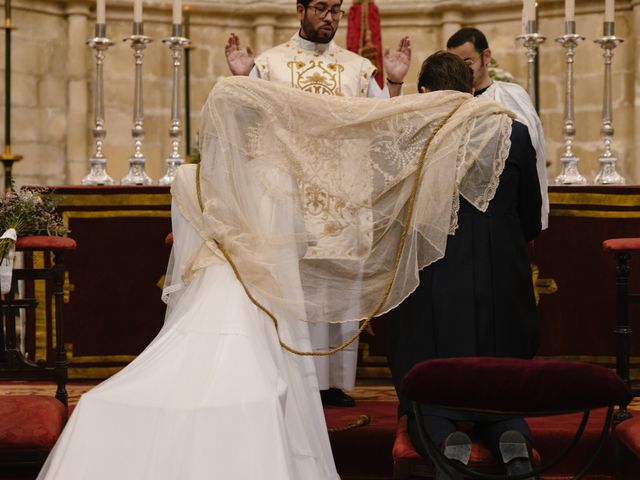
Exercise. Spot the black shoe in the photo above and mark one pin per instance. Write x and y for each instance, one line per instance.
(515, 453)
(335, 397)
(456, 447)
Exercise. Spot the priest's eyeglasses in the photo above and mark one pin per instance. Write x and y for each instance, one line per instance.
(471, 61)
(321, 11)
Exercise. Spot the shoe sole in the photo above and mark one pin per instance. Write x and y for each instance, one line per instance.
(458, 447)
(515, 453)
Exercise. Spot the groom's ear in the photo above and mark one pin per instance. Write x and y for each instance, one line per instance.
(424, 89)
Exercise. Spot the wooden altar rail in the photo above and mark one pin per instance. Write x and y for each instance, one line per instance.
(112, 289)
(115, 277)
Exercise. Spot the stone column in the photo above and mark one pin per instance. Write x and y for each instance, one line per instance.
(265, 28)
(78, 129)
(451, 23)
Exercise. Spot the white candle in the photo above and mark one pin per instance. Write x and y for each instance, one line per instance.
(609, 10)
(177, 12)
(137, 11)
(529, 10)
(569, 10)
(100, 11)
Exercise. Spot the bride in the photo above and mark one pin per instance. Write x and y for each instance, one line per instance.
(303, 209)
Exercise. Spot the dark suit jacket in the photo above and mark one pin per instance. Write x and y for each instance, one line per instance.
(478, 299)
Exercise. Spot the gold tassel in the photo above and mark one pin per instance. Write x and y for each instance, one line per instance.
(361, 421)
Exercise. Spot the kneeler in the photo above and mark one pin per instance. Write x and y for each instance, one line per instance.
(31, 424)
(513, 387)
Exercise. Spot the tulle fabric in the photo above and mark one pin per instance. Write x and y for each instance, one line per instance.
(516, 98)
(342, 170)
(213, 396)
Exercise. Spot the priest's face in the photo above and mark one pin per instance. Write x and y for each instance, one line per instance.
(319, 20)
(476, 61)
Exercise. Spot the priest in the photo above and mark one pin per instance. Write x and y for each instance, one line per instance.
(472, 46)
(311, 61)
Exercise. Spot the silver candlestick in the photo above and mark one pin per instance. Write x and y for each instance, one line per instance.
(176, 44)
(98, 174)
(608, 174)
(531, 40)
(570, 175)
(137, 174)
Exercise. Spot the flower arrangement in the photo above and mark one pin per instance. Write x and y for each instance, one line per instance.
(29, 211)
(497, 73)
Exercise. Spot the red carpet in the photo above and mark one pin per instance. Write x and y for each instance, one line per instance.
(364, 453)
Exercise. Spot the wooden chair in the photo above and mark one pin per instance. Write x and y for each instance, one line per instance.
(627, 447)
(622, 249)
(31, 424)
(516, 387)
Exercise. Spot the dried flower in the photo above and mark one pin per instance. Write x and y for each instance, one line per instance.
(30, 211)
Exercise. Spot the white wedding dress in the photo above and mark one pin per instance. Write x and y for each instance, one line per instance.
(212, 397)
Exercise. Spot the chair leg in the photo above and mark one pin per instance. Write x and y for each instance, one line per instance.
(61, 354)
(622, 329)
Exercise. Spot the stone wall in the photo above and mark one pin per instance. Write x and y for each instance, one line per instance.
(54, 70)
(39, 102)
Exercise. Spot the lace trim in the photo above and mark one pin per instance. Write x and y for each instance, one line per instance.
(503, 154)
(167, 291)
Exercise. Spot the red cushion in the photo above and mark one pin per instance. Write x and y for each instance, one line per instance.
(30, 421)
(403, 449)
(621, 244)
(513, 385)
(168, 241)
(628, 432)
(45, 242)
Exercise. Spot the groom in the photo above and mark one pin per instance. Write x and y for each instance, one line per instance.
(478, 299)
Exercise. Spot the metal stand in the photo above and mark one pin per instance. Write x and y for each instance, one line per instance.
(8, 158)
(137, 174)
(531, 41)
(176, 44)
(98, 174)
(608, 174)
(570, 175)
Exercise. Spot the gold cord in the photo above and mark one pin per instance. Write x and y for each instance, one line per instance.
(403, 237)
(361, 421)
(198, 190)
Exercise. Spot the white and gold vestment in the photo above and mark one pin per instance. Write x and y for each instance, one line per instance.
(316, 68)
(326, 69)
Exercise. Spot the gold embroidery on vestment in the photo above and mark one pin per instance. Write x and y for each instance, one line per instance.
(316, 77)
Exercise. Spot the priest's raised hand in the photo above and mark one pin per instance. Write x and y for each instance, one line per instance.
(396, 63)
(240, 60)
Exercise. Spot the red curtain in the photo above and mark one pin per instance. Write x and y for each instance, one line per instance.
(366, 41)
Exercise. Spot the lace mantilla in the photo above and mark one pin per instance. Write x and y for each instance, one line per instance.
(310, 195)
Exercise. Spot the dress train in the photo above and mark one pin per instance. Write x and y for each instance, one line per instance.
(212, 397)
